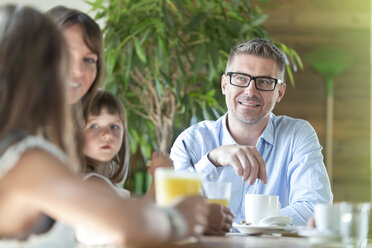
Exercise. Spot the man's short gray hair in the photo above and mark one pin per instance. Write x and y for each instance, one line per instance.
(258, 47)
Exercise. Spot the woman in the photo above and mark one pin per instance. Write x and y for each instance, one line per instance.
(85, 44)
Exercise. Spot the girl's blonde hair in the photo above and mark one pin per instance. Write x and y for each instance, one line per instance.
(119, 165)
(33, 62)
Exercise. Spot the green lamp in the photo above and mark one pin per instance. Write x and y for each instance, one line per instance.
(329, 62)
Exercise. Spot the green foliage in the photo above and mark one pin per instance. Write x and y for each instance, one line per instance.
(178, 48)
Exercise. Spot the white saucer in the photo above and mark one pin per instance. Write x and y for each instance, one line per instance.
(254, 229)
(275, 220)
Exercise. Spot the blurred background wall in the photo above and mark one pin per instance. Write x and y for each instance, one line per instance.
(305, 25)
(308, 24)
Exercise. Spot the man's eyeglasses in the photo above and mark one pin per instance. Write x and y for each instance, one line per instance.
(261, 83)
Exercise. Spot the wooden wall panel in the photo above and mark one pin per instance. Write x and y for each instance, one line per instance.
(305, 25)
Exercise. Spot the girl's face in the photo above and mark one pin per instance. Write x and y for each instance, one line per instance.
(103, 136)
(83, 66)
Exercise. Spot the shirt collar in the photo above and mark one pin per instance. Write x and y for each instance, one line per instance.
(226, 137)
(267, 135)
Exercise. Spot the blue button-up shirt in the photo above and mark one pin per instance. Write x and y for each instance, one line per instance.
(291, 151)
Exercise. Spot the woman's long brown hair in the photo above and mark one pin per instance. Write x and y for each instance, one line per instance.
(93, 38)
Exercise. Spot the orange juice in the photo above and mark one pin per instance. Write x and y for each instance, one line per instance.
(170, 184)
(223, 202)
(217, 192)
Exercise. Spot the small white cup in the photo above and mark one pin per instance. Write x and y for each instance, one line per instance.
(327, 218)
(258, 207)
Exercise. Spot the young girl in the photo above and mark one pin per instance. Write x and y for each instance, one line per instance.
(107, 156)
(38, 180)
(106, 147)
(106, 151)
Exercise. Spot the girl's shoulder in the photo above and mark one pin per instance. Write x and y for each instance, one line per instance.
(102, 179)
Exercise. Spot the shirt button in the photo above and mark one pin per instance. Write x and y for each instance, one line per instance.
(211, 177)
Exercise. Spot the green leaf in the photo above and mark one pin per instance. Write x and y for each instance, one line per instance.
(212, 73)
(168, 17)
(159, 88)
(235, 4)
(175, 9)
(211, 93)
(196, 21)
(159, 25)
(163, 46)
(134, 140)
(259, 20)
(214, 53)
(199, 59)
(97, 4)
(139, 51)
(144, 24)
(145, 36)
(290, 75)
(180, 63)
(166, 79)
(111, 60)
(297, 58)
(129, 58)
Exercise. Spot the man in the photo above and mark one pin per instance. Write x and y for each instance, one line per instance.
(251, 147)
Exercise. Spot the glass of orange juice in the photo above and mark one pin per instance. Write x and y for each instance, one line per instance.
(170, 184)
(217, 192)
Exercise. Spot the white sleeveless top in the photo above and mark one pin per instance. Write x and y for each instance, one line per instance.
(60, 235)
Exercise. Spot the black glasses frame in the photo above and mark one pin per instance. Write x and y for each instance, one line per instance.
(277, 81)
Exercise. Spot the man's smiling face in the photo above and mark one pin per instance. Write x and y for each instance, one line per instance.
(249, 105)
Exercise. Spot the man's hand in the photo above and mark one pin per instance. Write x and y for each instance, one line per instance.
(219, 220)
(246, 161)
(195, 213)
(311, 221)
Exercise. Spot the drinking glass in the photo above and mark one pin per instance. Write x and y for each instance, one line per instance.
(354, 223)
(170, 184)
(217, 192)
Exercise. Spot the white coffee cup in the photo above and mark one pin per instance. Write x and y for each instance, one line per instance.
(258, 207)
(327, 218)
